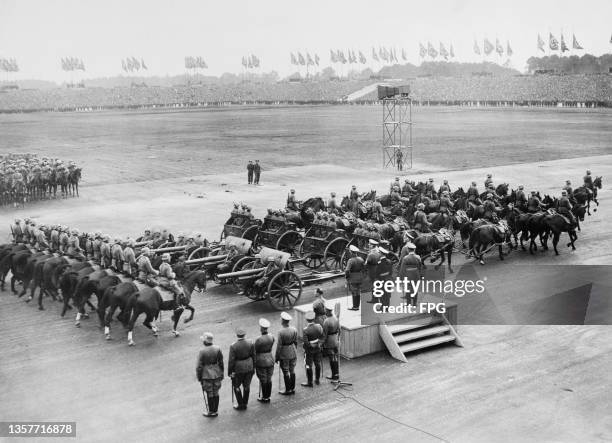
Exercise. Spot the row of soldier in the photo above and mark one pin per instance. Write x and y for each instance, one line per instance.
(246, 358)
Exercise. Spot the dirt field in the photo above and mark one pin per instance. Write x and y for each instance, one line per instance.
(523, 383)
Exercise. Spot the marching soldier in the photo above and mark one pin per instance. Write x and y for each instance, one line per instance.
(331, 343)
(353, 273)
(410, 268)
(256, 172)
(521, 199)
(565, 207)
(250, 168)
(291, 202)
(286, 354)
(264, 361)
(312, 337)
(145, 270)
(332, 206)
(420, 219)
(318, 307)
(489, 181)
(534, 204)
(240, 368)
(209, 372)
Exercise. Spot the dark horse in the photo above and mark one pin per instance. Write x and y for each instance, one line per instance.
(429, 245)
(73, 181)
(308, 209)
(558, 224)
(485, 237)
(584, 196)
(116, 297)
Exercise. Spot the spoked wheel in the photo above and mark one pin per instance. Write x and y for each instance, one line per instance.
(310, 260)
(239, 283)
(333, 254)
(251, 232)
(198, 253)
(289, 242)
(284, 290)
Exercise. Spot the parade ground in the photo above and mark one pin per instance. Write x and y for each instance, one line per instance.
(508, 383)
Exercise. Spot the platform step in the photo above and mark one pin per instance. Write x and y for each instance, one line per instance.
(415, 324)
(420, 333)
(420, 344)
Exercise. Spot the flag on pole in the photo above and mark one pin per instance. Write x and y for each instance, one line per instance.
(509, 50)
(452, 51)
(553, 43)
(422, 50)
(540, 43)
(255, 61)
(317, 59)
(309, 60)
(301, 59)
(443, 51)
(123, 66)
(431, 51)
(294, 60)
(563, 45)
(332, 56)
(575, 43)
(142, 63)
(362, 58)
(244, 61)
(488, 46)
(498, 47)
(476, 48)
(375, 54)
(404, 58)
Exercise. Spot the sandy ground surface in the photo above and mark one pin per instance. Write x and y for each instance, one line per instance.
(509, 383)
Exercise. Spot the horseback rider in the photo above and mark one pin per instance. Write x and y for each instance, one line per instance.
(167, 279)
(73, 243)
(521, 198)
(291, 202)
(430, 190)
(394, 183)
(489, 181)
(534, 205)
(444, 188)
(570, 192)
(588, 181)
(118, 257)
(445, 203)
(332, 206)
(420, 219)
(490, 210)
(130, 258)
(377, 212)
(564, 207)
(145, 269)
(63, 239)
(41, 239)
(407, 189)
(395, 195)
(473, 195)
(353, 198)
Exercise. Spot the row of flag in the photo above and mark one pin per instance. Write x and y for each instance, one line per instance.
(555, 45)
(131, 64)
(250, 61)
(72, 64)
(433, 53)
(195, 63)
(307, 60)
(488, 48)
(9, 65)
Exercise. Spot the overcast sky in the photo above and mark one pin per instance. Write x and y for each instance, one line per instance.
(102, 32)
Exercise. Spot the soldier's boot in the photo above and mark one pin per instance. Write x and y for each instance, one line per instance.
(356, 300)
(239, 400)
(317, 374)
(335, 371)
(262, 392)
(309, 377)
(245, 397)
(210, 411)
(287, 379)
(292, 377)
(268, 391)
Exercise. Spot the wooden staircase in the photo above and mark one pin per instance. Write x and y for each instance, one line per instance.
(417, 333)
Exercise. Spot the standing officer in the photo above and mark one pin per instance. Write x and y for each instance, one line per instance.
(286, 353)
(240, 368)
(384, 272)
(353, 273)
(399, 157)
(353, 199)
(318, 307)
(371, 263)
(250, 168)
(257, 171)
(17, 231)
(312, 338)
(410, 269)
(291, 202)
(209, 372)
(332, 205)
(264, 362)
(331, 332)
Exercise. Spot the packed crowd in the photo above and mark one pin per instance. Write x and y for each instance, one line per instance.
(540, 88)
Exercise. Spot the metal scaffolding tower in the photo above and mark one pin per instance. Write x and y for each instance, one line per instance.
(397, 132)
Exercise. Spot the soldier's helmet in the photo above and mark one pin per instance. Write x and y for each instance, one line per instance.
(293, 191)
(396, 188)
(489, 175)
(421, 206)
(533, 192)
(17, 220)
(568, 182)
(148, 230)
(446, 182)
(588, 172)
(33, 222)
(269, 211)
(431, 180)
(165, 256)
(131, 242)
(107, 238)
(333, 194)
(353, 187)
(489, 195)
(564, 192)
(75, 232)
(145, 251)
(521, 187)
(90, 235)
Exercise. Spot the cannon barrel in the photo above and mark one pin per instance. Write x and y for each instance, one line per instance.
(141, 243)
(211, 259)
(170, 249)
(243, 273)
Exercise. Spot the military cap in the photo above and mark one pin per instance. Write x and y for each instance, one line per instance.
(353, 248)
(310, 316)
(285, 316)
(145, 250)
(293, 191)
(333, 194)
(240, 332)
(329, 305)
(207, 337)
(372, 242)
(165, 256)
(410, 245)
(383, 250)
(521, 187)
(264, 323)
(569, 182)
(564, 192)
(354, 187)
(489, 175)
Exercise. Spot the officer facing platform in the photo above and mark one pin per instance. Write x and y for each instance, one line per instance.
(354, 274)
(318, 307)
(331, 340)
(264, 361)
(410, 268)
(209, 373)
(312, 337)
(240, 368)
(286, 353)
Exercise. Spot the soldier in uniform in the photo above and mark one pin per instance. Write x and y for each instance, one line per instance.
(570, 191)
(250, 168)
(73, 244)
(489, 181)
(41, 239)
(240, 368)
(353, 273)
(410, 268)
(446, 205)
(353, 199)
(168, 279)
(521, 199)
(371, 262)
(395, 195)
(420, 219)
(118, 257)
(89, 245)
(105, 252)
(332, 206)
(32, 232)
(63, 239)
(384, 272)
(256, 172)
(565, 207)
(130, 259)
(490, 210)
(430, 189)
(96, 247)
(180, 239)
(17, 231)
(534, 205)
(209, 372)
(399, 156)
(271, 270)
(147, 235)
(312, 337)
(377, 212)
(473, 195)
(588, 181)
(407, 189)
(286, 353)
(393, 184)
(291, 202)
(331, 343)
(444, 188)
(318, 307)
(264, 361)
(145, 270)
(228, 263)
